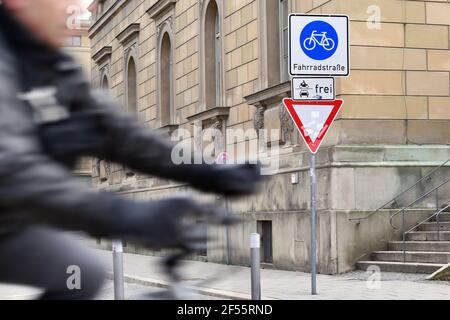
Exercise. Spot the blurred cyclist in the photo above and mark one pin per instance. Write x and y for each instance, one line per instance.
(44, 100)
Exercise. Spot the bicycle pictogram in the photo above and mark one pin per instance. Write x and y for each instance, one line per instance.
(320, 39)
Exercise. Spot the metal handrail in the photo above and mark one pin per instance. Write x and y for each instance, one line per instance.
(415, 201)
(401, 193)
(436, 214)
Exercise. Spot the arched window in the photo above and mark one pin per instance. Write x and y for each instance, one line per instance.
(102, 166)
(105, 83)
(131, 98)
(132, 87)
(166, 91)
(213, 56)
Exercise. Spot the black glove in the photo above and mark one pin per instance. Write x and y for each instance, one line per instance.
(233, 180)
(226, 179)
(171, 223)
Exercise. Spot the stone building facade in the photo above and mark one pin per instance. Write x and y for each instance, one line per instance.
(222, 64)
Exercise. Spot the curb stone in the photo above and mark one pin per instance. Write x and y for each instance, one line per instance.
(202, 291)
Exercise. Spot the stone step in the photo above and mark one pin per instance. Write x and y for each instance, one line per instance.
(409, 267)
(436, 246)
(433, 226)
(427, 236)
(443, 217)
(412, 256)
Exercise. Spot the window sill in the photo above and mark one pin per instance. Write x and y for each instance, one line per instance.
(269, 95)
(211, 113)
(168, 129)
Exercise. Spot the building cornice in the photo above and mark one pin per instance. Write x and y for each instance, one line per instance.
(160, 7)
(131, 31)
(269, 95)
(102, 54)
(216, 112)
(167, 130)
(106, 16)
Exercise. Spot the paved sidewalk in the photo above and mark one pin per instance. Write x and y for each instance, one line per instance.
(234, 282)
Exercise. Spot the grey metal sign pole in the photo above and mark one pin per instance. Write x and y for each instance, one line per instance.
(117, 247)
(227, 236)
(223, 158)
(313, 254)
(255, 244)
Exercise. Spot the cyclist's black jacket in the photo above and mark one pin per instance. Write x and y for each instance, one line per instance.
(36, 184)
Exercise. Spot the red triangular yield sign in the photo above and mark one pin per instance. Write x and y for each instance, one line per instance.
(313, 119)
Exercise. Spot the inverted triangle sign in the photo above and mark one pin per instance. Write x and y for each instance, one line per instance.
(313, 119)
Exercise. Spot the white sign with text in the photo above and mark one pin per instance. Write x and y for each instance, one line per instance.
(307, 88)
(319, 45)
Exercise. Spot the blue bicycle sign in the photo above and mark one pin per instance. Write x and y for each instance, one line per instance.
(326, 43)
(318, 45)
(319, 40)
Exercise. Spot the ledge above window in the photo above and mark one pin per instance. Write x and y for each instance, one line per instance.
(102, 54)
(167, 130)
(269, 95)
(213, 113)
(160, 7)
(129, 33)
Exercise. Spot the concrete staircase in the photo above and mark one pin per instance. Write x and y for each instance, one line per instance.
(424, 252)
